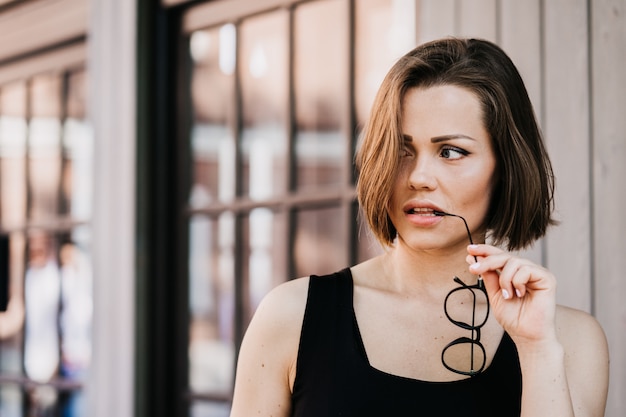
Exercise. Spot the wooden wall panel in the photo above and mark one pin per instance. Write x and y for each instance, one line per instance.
(608, 60)
(477, 18)
(435, 19)
(442, 18)
(566, 128)
(519, 34)
(571, 54)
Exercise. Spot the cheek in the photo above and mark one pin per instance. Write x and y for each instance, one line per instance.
(489, 186)
(494, 190)
(480, 193)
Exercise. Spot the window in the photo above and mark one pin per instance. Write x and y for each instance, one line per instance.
(278, 94)
(45, 197)
(45, 163)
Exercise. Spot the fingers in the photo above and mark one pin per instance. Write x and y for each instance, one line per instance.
(503, 272)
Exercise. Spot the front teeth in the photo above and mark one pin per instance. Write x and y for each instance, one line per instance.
(422, 211)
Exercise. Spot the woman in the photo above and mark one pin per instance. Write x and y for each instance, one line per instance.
(452, 155)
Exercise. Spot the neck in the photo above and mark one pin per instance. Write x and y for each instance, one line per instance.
(424, 271)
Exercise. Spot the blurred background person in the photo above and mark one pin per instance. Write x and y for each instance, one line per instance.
(42, 291)
(75, 321)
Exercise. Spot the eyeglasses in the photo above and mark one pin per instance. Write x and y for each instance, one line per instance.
(455, 308)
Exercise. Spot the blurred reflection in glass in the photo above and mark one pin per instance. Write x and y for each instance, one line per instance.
(44, 146)
(78, 145)
(212, 91)
(320, 245)
(206, 409)
(211, 303)
(75, 321)
(11, 400)
(321, 53)
(42, 294)
(265, 246)
(11, 325)
(385, 30)
(264, 73)
(13, 98)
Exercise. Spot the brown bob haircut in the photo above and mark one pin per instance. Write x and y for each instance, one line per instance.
(522, 202)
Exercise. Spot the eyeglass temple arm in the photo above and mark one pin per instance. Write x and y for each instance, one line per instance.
(469, 235)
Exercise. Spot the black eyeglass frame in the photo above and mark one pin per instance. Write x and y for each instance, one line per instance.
(474, 340)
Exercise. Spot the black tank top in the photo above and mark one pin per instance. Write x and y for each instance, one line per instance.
(334, 377)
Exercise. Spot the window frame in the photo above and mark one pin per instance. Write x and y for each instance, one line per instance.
(163, 184)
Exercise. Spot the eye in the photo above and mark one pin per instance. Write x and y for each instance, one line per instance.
(406, 152)
(452, 152)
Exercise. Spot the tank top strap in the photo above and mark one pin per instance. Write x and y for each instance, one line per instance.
(327, 320)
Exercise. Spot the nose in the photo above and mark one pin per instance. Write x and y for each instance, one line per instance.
(422, 176)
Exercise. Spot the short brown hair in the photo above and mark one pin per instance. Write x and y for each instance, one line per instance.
(521, 205)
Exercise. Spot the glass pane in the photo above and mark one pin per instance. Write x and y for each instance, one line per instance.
(264, 89)
(212, 92)
(321, 87)
(78, 143)
(207, 409)
(44, 146)
(320, 245)
(12, 320)
(385, 30)
(75, 320)
(42, 296)
(77, 303)
(11, 401)
(76, 106)
(211, 303)
(264, 240)
(13, 154)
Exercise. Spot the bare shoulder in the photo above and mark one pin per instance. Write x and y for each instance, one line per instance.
(285, 304)
(586, 359)
(278, 318)
(266, 365)
(573, 324)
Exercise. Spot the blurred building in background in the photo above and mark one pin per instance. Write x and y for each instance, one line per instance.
(164, 164)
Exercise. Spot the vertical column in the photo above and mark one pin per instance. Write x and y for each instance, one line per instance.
(112, 112)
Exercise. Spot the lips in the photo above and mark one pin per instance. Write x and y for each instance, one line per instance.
(422, 213)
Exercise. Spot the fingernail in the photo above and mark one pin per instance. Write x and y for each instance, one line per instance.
(473, 246)
(518, 293)
(505, 294)
(475, 266)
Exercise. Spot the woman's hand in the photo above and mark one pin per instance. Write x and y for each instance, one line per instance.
(561, 372)
(522, 294)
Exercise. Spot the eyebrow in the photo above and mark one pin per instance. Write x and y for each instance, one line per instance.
(442, 138)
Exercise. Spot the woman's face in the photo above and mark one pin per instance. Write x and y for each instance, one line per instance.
(447, 164)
